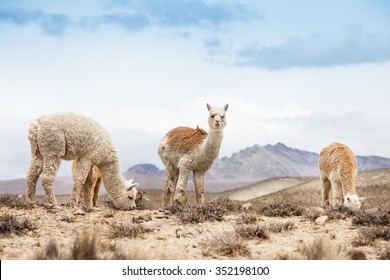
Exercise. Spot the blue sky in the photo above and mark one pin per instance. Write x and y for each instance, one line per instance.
(305, 73)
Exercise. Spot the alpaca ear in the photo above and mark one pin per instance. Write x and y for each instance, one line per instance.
(208, 106)
(226, 107)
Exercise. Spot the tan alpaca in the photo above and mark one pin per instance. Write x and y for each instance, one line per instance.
(91, 187)
(338, 168)
(185, 149)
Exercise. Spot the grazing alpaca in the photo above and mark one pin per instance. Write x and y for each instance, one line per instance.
(338, 167)
(72, 136)
(91, 187)
(185, 149)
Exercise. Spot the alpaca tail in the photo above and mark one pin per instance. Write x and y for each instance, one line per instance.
(33, 137)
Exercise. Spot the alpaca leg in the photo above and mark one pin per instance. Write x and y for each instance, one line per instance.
(325, 191)
(36, 168)
(180, 191)
(96, 192)
(79, 178)
(50, 168)
(337, 195)
(169, 186)
(200, 183)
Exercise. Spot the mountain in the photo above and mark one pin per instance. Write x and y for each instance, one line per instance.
(247, 166)
(147, 170)
(271, 161)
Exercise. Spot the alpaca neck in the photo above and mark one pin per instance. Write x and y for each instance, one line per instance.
(113, 180)
(213, 143)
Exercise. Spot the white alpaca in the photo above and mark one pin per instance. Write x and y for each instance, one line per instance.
(72, 136)
(338, 167)
(185, 149)
(91, 186)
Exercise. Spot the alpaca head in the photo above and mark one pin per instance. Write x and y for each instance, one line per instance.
(127, 200)
(352, 201)
(217, 118)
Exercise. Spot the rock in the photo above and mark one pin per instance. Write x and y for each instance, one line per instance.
(151, 225)
(144, 216)
(79, 212)
(247, 206)
(321, 220)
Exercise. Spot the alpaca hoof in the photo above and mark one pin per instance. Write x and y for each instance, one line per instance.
(51, 206)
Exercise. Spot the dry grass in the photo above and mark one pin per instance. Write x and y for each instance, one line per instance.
(320, 249)
(281, 209)
(10, 224)
(15, 201)
(211, 211)
(125, 229)
(379, 218)
(252, 231)
(377, 195)
(247, 218)
(384, 253)
(68, 218)
(368, 235)
(226, 244)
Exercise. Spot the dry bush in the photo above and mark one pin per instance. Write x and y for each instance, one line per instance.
(68, 218)
(281, 209)
(15, 201)
(121, 230)
(139, 204)
(19, 226)
(247, 218)
(251, 231)
(368, 235)
(320, 249)
(379, 218)
(210, 211)
(226, 244)
(356, 254)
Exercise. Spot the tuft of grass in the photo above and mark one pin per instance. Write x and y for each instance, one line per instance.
(281, 209)
(357, 255)
(85, 247)
(50, 252)
(122, 230)
(226, 244)
(380, 218)
(19, 226)
(368, 235)
(15, 201)
(251, 231)
(320, 249)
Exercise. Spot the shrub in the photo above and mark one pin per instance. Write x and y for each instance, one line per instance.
(226, 244)
(281, 209)
(11, 224)
(121, 230)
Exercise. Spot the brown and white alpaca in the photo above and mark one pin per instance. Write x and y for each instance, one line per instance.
(71, 136)
(185, 149)
(338, 168)
(91, 186)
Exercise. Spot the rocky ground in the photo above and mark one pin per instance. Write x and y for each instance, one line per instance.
(222, 229)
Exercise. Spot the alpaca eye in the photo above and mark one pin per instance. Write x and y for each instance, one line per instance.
(131, 197)
(213, 116)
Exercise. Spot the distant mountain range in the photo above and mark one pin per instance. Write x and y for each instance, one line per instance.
(247, 166)
(258, 163)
